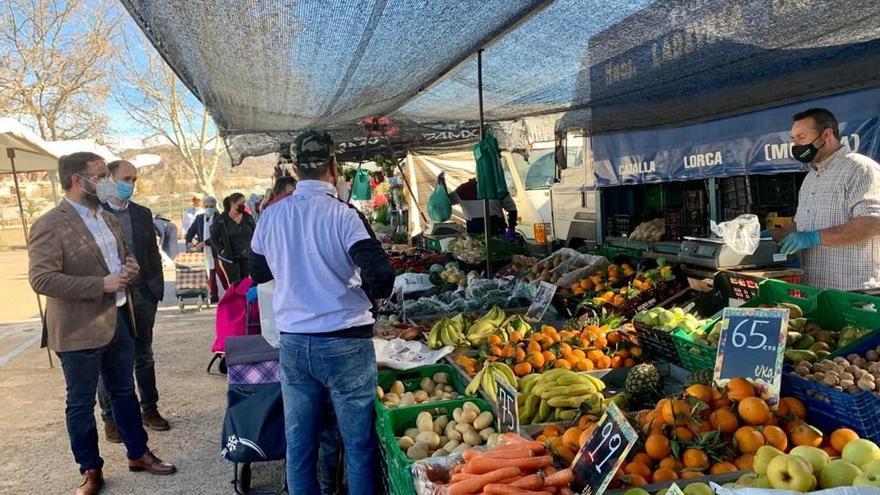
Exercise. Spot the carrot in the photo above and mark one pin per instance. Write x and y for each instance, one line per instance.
(566, 491)
(469, 454)
(563, 477)
(480, 465)
(461, 476)
(474, 485)
(516, 453)
(530, 482)
(499, 489)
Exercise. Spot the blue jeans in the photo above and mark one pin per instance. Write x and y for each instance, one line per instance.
(115, 362)
(346, 369)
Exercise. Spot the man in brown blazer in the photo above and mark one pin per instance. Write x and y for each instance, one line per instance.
(79, 261)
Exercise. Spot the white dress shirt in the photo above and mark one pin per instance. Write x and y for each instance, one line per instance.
(105, 239)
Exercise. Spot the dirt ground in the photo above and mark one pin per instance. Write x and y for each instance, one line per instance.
(36, 457)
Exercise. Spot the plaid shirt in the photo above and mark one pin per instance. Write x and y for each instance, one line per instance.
(843, 187)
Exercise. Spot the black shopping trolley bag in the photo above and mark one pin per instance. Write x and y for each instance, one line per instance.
(253, 430)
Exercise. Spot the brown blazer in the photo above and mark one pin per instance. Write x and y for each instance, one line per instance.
(66, 266)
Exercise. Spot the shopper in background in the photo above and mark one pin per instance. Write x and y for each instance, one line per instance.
(79, 260)
(330, 272)
(472, 208)
(231, 237)
(190, 214)
(837, 225)
(284, 187)
(199, 238)
(147, 289)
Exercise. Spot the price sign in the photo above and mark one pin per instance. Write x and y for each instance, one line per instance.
(674, 490)
(752, 346)
(604, 452)
(543, 296)
(508, 410)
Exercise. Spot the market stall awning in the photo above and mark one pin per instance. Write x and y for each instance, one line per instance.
(611, 65)
(32, 154)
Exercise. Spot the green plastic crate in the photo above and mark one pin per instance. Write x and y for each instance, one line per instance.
(412, 377)
(693, 355)
(396, 422)
(837, 309)
(775, 291)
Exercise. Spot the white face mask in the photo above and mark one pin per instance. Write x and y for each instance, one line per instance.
(105, 189)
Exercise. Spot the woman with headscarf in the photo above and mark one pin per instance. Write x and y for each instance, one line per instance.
(231, 235)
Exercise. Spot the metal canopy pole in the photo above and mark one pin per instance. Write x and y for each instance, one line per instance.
(485, 201)
(10, 153)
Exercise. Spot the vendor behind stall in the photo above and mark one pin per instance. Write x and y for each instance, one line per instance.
(837, 225)
(465, 195)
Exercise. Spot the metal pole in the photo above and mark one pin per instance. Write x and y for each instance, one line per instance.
(10, 153)
(486, 231)
(403, 175)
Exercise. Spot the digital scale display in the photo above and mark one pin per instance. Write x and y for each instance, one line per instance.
(705, 250)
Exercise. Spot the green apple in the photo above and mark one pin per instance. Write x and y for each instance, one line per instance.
(872, 467)
(662, 492)
(867, 479)
(698, 489)
(763, 457)
(838, 473)
(790, 472)
(637, 491)
(860, 452)
(762, 482)
(817, 457)
(747, 480)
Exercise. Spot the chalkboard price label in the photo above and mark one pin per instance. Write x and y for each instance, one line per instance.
(542, 300)
(604, 452)
(508, 410)
(752, 346)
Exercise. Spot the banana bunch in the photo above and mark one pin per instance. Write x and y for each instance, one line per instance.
(489, 324)
(448, 332)
(488, 378)
(558, 395)
(514, 323)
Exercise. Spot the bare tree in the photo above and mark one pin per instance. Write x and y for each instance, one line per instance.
(55, 62)
(159, 102)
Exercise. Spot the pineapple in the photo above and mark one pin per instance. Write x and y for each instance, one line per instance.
(701, 377)
(644, 383)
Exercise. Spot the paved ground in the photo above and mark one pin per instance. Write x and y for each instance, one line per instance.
(36, 459)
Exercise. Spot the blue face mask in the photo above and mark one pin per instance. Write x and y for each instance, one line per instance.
(124, 190)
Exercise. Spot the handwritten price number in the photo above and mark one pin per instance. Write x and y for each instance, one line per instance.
(507, 405)
(740, 339)
(614, 443)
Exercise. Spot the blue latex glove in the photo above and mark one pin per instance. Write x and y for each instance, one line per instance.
(511, 235)
(251, 295)
(797, 241)
(766, 234)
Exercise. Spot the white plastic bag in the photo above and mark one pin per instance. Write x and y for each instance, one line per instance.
(408, 283)
(402, 354)
(265, 293)
(742, 234)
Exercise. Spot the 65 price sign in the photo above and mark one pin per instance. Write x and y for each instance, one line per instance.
(603, 453)
(752, 346)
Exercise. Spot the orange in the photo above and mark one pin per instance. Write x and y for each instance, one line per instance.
(724, 420)
(605, 362)
(643, 458)
(662, 474)
(551, 431)
(723, 467)
(522, 369)
(745, 462)
(585, 435)
(587, 420)
(636, 480)
(832, 452)
(842, 436)
(533, 346)
(541, 438)
(515, 336)
(748, 439)
(571, 437)
(594, 355)
(792, 407)
(804, 434)
(773, 435)
(739, 388)
(562, 363)
(519, 354)
(683, 434)
(585, 365)
(695, 459)
(657, 447)
(536, 359)
(549, 357)
(671, 463)
(700, 392)
(691, 474)
(579, 353)
(721, 403)
(601, 342)
(753, 411)
(494, 339)
(629, 363)
(613, 338)
(638, 468)
(617, 362)
(566, 454)
(675, 412)
(635, 352)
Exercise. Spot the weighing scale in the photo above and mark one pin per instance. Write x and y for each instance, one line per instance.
(715, 254)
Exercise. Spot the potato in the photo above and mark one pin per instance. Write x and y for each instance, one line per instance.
(417, 452)
(483, 421)
(486, 433)
(468, 416)
(449, 389)
(429, 438)
(427, 385)
(441, 378)
(421, 396)
(411, 432)
(438, 392)
(447, 395)
(451, 432)
(424, 422)
(470, 405)
(444, 439)
(440, 424)
(408, 399)
(391, 397)
(464, 428)
(451, 445)
(439, 453)
(405, 442)
(461, 448)
(380, 393)
(473, 438)
(456, 414)
(493, 439)
(397, 388)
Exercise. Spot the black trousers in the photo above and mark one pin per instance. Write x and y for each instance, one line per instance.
(237, 270)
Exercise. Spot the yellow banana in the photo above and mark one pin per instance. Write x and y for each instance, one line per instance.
(568, 391)
(599, 384)
(489, 385)
(508, 374)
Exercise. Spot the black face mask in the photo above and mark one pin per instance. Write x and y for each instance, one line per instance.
(239, 208)
(806, 153)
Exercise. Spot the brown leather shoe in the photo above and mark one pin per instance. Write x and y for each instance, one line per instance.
(154, 421)
(111, 433)
(151, 464)
(91, 484)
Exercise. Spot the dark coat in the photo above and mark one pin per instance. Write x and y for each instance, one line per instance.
(150, 281)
